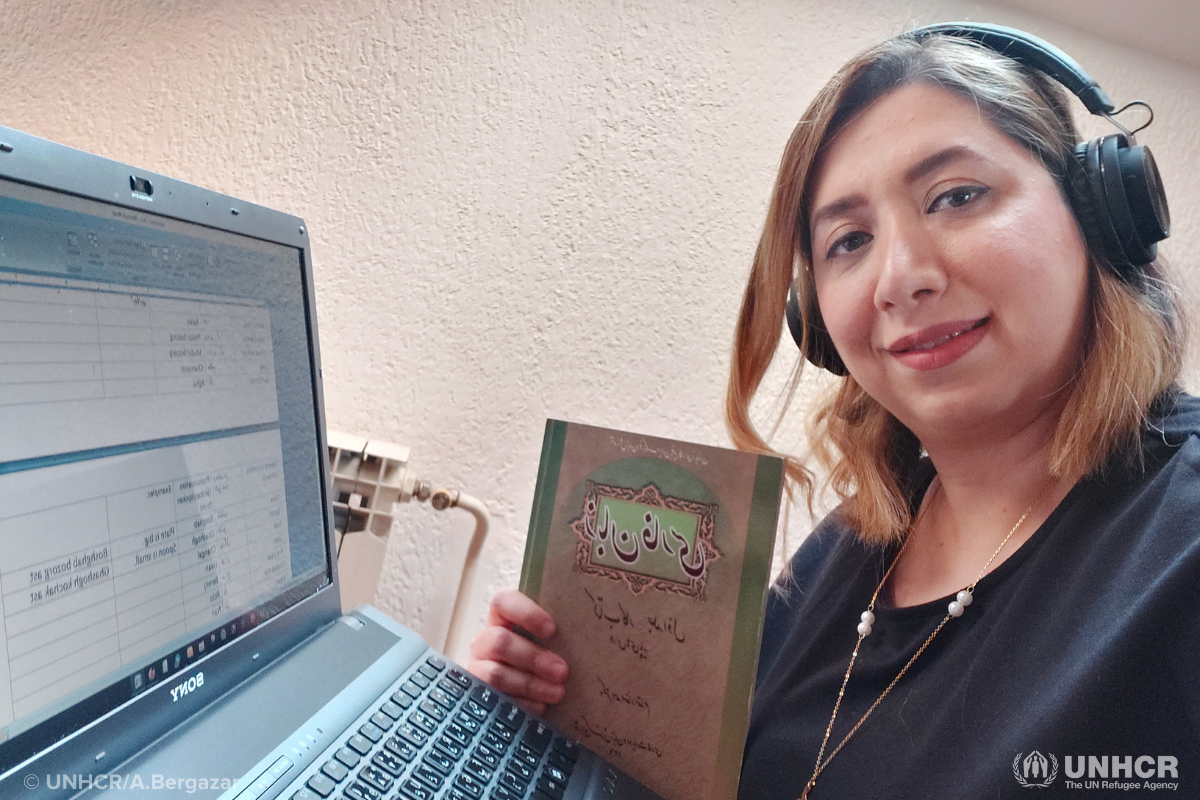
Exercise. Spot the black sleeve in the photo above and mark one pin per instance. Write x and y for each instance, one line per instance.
(793, 586)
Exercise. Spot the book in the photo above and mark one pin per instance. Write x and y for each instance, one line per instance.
(653, 556)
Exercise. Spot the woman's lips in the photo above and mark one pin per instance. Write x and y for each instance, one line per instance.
(939, 345)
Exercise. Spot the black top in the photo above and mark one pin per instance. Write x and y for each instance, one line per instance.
(1085, 642)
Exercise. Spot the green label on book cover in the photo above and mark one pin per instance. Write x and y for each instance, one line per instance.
(645, 539)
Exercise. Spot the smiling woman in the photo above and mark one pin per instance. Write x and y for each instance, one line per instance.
(1008, 580)
(1007, 425)
(1015, 123)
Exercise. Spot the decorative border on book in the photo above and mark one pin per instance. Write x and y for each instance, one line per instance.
(693, 559)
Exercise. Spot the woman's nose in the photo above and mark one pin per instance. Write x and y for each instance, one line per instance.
(911, 270)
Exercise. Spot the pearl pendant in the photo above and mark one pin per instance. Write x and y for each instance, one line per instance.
(864, 629)
(965, 598)
(955, 609)
(868, 617)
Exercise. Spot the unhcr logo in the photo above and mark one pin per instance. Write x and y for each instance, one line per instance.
(1035, 769)
(1094, 772)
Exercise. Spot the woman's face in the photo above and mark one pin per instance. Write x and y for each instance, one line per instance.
(950, 272)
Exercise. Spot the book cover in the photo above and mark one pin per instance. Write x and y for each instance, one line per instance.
(653, 556)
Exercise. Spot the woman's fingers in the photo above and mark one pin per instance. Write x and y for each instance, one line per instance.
(510, 607)
(537, 709)
(502, 646)
(518, 667)
(518, 684)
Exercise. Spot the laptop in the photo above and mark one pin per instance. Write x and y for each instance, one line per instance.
(170, 602)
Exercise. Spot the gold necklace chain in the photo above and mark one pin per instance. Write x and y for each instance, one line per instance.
(955, 609)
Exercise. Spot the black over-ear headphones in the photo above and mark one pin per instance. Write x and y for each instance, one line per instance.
(1113, 182)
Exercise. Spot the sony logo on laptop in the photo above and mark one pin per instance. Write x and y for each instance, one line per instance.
(187, 687)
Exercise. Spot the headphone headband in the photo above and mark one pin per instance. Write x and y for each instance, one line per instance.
(1034, 53)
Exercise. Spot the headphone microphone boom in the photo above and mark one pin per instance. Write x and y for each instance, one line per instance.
(1113, 183)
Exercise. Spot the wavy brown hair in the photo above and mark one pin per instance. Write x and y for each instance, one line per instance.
(1131, 355)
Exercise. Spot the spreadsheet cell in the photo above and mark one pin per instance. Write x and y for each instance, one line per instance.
(125, 334)
(122, 370)
(130, 387)
(48, 332)
(202, 586)
(124, 352)
(129, 551)
(48, 353)
(20, 393)
(127, 313)
(43, 373)
(138, 511)
(216, 332)
(23, 311)
(202, 618)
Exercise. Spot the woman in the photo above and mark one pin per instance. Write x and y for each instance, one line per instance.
(1002, 593)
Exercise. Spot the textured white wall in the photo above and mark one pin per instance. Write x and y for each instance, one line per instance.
(518, 209)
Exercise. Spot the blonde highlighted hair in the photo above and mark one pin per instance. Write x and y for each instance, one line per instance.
(1131, 355)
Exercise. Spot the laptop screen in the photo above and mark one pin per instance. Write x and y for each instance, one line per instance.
(158, 451)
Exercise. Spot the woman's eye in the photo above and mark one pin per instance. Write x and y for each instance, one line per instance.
(848, 243)
(957, 197)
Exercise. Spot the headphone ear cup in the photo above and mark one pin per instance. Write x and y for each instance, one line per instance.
(1114, 170)
(1146, 198)
(1120, 203)
(821, 351)
(1085, 185)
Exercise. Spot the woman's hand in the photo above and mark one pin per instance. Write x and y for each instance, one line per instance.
(531, 675)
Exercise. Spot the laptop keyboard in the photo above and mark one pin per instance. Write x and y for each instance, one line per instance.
(445, 735)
